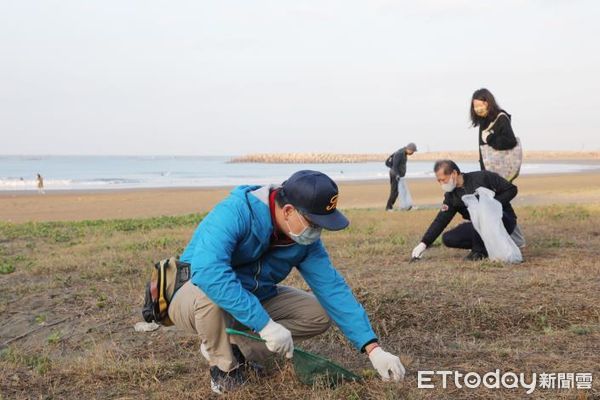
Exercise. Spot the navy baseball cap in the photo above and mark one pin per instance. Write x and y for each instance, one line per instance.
(315, 195)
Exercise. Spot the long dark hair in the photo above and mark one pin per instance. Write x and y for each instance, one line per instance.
(493, 108)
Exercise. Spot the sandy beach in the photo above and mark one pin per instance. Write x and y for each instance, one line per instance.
(80, 205)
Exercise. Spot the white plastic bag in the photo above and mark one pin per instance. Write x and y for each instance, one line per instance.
(404, 195)
(486, 217)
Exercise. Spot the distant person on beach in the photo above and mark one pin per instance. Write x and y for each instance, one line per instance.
(40, 184)
(239, 255)
(397, 164)
(455, 185)
(495, 131)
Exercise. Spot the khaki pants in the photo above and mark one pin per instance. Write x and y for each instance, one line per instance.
(192, 311)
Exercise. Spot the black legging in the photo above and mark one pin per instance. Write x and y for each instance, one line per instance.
(464, 236)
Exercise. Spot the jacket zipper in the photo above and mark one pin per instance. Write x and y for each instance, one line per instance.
(256, 276)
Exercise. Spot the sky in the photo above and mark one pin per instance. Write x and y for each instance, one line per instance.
(235, 77)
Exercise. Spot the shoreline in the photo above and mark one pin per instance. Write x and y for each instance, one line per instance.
(69, 205)
(33, 191)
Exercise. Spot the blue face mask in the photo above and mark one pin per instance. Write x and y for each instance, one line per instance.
(309, 234)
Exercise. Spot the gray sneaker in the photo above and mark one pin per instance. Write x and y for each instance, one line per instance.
(223, 382)
(517, 237)
(249, 368)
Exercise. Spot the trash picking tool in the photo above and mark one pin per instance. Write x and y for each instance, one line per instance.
(309, 367)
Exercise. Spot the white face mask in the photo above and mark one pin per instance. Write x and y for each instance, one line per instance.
(450, 186)
(309, 234)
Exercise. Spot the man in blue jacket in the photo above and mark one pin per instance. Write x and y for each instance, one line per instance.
(241, 251)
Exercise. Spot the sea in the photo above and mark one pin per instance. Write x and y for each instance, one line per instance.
(18, 173)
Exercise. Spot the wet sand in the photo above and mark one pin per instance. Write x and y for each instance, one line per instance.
(134, 203)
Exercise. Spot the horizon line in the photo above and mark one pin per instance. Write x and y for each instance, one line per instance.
(251, 153)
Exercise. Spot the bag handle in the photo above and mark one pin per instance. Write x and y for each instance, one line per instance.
(490, 126)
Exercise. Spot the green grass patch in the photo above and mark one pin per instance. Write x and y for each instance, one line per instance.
(54, 338)
(37, 362)
(553, 242)
(102, 298)
(65, 232)
(580, 330)
(558, 213)
(159, 243)
(6, 268)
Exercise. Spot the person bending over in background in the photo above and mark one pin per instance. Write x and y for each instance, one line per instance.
(398, 171)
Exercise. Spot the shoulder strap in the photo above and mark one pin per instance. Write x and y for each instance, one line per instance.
(490, 126)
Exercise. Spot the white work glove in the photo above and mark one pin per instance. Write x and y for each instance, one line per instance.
(385, 363)
(278, 339)
(418, 251)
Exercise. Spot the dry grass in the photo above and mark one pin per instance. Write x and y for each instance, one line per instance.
(76, 289)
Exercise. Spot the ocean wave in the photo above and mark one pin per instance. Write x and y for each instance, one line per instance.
(93, 173)
(24, 184)
(109, 181)
(18, 183)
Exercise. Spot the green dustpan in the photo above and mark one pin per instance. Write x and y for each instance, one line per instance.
(311, 368)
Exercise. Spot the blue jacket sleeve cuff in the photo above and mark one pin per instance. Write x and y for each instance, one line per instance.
(362, 348)
(262, 322)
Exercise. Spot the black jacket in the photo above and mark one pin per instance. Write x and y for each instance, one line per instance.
(505, 192)
(501, 137)
(399, 163)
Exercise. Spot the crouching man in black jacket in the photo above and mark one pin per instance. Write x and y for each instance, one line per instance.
(456, 185)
